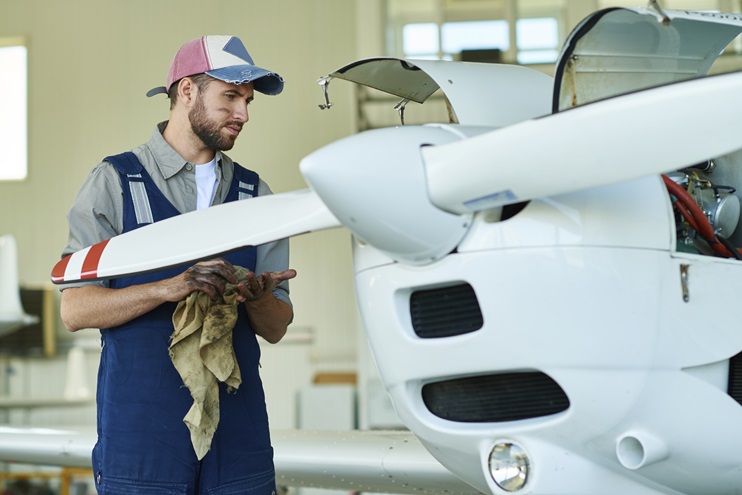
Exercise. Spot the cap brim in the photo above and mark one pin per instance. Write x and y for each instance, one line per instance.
(156, 91)
(264, 81)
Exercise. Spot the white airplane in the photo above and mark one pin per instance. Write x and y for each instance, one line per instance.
(546, 282)
(12, 315)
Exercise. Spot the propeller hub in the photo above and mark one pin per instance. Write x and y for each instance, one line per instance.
(374, 183)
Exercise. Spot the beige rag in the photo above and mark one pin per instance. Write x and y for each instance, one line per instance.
(201, 350)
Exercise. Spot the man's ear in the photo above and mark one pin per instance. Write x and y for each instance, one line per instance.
(187, 91)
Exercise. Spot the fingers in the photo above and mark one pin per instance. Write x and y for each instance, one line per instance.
(253, 287)
(210, 277)
(279, 277)
(257, 286)
(219, 267)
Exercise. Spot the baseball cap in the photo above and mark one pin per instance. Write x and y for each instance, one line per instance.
(224, 58)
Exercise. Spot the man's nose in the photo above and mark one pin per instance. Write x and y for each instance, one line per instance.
(240, 113)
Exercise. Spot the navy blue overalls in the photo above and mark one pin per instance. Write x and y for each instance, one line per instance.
(143, 445)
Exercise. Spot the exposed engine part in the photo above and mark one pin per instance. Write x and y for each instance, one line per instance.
(708, 166)
(719, 204)
(718, 216)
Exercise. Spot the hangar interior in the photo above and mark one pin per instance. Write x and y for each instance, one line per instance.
(83, 70)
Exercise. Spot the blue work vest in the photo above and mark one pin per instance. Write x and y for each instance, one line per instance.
(143, 444)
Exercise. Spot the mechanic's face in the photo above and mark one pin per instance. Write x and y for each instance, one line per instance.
(219, 113)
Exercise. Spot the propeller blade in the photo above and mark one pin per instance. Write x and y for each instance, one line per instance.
(197, 235)
(609, 141)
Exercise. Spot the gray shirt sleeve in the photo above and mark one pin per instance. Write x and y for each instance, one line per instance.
(273, 256)
(95, 214)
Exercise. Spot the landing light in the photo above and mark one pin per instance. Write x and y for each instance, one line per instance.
(509, 466)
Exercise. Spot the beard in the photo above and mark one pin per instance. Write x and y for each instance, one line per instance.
(208, 130)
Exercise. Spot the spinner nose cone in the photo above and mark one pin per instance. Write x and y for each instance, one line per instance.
(374, 183)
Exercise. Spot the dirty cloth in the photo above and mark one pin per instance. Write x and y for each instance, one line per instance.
(201, 350)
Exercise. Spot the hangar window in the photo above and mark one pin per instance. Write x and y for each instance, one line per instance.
(482, 31)
(537, 40)
(13, 120)
(447, 41)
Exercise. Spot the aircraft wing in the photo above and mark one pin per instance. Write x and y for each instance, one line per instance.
(68, 447)
(359, 461)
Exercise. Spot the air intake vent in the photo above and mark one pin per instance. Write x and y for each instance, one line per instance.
(445, 312)
(735, 378)
(495, 398)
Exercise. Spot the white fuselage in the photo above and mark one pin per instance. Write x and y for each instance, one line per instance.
(585, 288)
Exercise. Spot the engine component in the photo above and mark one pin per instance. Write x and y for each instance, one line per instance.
(719, 204)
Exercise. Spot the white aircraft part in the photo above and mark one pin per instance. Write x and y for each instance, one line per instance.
(369, 461)
(601, 311)
(12, 316)
(610, 326)
(479, 94)
(70, 447)
(606, 142)
(632, 214)
(494, 95)
(199, 234)
(361, 461)
(374, 183)
(616, 51)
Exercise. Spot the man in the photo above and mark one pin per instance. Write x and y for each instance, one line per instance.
(143, 445)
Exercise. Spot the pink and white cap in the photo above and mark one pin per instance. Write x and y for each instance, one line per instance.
(224, 58)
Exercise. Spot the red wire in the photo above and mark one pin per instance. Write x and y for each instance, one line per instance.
(686, 214)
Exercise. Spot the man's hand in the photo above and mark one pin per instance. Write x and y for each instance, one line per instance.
(209, 277)
(256, 286)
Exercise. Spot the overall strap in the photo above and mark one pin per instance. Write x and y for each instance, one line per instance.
(143, 203)
(244, 185)
(133, 174)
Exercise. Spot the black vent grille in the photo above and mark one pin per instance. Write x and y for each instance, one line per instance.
(495, 398)
(735, 378)
(445, 312)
